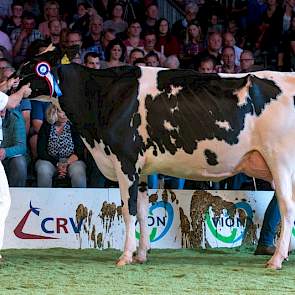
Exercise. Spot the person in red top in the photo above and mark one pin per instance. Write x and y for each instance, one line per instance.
(167, 44)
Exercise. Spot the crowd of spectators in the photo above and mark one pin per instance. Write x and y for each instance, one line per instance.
(213, 36)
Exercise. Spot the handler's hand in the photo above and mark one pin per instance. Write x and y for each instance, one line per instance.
(2, 154)
(26, 90)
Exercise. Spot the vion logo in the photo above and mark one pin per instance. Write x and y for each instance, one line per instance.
(160, 219)
(48, 225)
(227, 231)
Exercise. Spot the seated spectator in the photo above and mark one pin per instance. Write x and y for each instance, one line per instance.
(247, 62)
(192, 45)
(21, 38)
(135, 53)
(107, 36)
(55, 27)
(215, 24)
(213, 49)
(166, 43)
(150, 40)
(5, 42)
(172, 62)
(207, 65)
(133, 41)
(152, 59)
(91, 60)
(140, 62)
(60, 151)
(116, 22)
(114, 54)
(81, 19)
(6, 71)
(14, 21)
(179, 27)
(13, 147)
(229, 40)
(92, 40)
(228, 57)
(51, 12)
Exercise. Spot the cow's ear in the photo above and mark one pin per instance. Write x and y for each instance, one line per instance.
(50, 47)
(65, 60)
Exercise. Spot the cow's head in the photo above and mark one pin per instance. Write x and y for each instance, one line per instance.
(38, 71)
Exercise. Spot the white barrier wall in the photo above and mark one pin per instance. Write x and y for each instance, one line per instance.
(88, 218)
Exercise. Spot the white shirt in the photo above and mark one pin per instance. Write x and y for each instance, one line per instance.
(3, 100)
(5, 41)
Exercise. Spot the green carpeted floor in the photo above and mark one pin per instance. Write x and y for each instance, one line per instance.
(63, 271)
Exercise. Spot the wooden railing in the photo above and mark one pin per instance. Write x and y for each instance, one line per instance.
(170, 10)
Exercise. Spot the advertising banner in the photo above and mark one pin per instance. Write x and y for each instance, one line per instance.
(92, 218)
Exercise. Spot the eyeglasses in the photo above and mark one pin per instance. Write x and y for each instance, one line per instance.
(246, 59)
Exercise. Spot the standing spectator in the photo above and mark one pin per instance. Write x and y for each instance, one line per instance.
(133, 40)
(152, 15)
(114, 54)
(103, 7)
(289, 6)
(60, 151)
(14, 21)
(166, 43)
(228, 58)
(13, 147)
(229, 40)
(21, 38)
(51, 12)
(270, 30)
(179, 27)
(150, 40)
(116, 22)
(82, 19)
(91, 60)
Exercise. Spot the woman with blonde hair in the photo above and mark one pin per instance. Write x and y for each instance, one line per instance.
(60, 151)
(51, 12)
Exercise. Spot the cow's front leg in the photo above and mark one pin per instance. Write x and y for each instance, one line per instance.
(142, 210)
(128, 190)
(287, 210)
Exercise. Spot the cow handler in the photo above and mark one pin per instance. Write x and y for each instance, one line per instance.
(9, 102)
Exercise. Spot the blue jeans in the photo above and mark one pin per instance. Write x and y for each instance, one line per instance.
(271, 220)
(16, 171)
(46, 170)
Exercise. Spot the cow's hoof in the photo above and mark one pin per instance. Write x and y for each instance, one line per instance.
(139, 260)
(273, 265)
(122, 261)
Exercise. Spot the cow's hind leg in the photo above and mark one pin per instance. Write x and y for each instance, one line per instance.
(142, 210)
(284, 190)
(128, 190)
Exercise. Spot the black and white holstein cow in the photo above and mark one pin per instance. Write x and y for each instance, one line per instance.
(138, 121)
